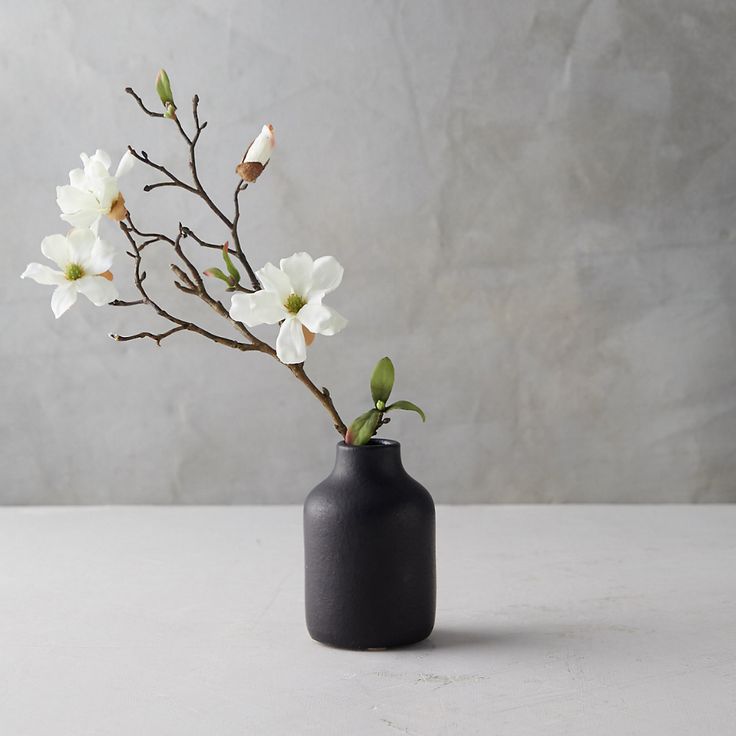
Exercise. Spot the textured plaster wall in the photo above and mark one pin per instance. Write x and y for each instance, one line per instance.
(533, 201)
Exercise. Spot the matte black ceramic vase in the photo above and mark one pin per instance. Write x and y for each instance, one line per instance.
(369, 542)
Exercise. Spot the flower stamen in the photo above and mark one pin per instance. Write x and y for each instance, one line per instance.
(294, 303)
(73, 272)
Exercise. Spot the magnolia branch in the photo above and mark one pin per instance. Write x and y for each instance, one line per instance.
(156, 338)
(137, 98)
(242, 186)
(181, 324)
(193, 282)
(188, 279)
(322, 395)
(198, 188)
(174, 180)
(231, 224)
(121, 303)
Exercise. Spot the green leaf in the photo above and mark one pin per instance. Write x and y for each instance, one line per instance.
(163, 87)
(218, 274)
(363, 428)
(382, 380)
(407, 406)
(234, 273)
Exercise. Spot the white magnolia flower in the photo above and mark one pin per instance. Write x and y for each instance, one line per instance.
(293, 293)
(85, 263)
(258, 155)
(93, 191)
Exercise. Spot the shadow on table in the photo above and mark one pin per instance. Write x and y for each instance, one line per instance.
(481, 638)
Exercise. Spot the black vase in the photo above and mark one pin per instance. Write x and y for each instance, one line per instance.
(369, 543)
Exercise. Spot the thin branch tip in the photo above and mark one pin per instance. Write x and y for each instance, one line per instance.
(142, 105)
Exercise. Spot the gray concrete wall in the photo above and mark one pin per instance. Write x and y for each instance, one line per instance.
(533, 202)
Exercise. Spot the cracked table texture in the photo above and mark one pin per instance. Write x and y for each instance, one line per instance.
(551, 619)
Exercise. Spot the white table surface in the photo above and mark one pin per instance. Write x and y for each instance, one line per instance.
(551, 620)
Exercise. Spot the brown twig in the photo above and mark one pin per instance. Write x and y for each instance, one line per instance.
(322, 395)
(137, 98)
(153, 236)
(175, 180)
(232, 225)
(198, 188)
(121, 303)
(140, 335)
(190, 280)
(239, 287)
(189, 233)
(139, 277)
(190, 287)
(159, 185)
(242, 186)
(185, 289)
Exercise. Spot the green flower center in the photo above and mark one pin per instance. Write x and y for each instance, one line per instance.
(74, 271)
(294, 303)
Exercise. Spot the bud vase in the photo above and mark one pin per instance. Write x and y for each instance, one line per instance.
(369, 542)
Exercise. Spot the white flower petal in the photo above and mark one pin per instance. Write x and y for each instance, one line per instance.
(261, 308)
(71, 200)
(63, 298)
(77, 179)
(43, 275)
(106, 190)
(81, 241)
(100, 258)
(275, 281)
(321, 320)
(82, 219)
(261, 148)
(326, 277)
(299, 269)
(103, 158)
(56, 249)
(125, 165)
(290, 344)
(96, 170)
(97, 289)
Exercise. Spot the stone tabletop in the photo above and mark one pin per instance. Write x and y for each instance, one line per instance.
(188, 621)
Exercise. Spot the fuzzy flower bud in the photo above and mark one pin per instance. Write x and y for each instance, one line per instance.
(257, 156)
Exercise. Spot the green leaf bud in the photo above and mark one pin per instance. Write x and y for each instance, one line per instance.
(234, 273)
(218, 274)
(363, 428)
(163, 87)
(382, 380)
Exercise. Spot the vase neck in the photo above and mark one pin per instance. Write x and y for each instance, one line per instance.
(382, 456)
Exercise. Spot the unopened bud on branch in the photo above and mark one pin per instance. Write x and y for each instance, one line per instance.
(257, 156)
(163, 87)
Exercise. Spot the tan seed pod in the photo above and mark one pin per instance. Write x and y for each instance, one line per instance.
(308, 336)
(249, 170)
(118, 211)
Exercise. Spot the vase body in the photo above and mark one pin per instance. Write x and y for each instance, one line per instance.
(369, 543)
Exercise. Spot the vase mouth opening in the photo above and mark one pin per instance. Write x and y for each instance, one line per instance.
(373, 444)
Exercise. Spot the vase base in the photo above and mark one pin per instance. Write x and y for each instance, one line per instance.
(357, 646)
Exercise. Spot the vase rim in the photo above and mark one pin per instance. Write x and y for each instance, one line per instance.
(374, 444)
